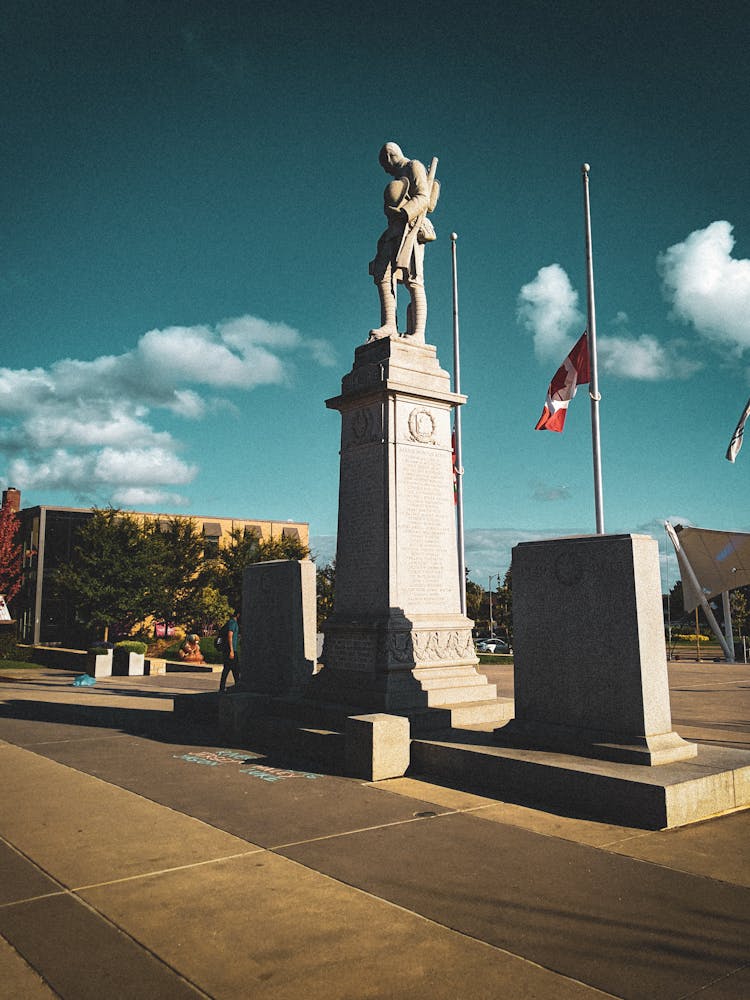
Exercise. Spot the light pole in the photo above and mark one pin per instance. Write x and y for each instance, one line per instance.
(492, 576)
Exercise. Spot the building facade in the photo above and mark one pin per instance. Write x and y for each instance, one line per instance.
(48, 536)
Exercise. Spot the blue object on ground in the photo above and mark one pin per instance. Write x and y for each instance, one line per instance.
(84, 680)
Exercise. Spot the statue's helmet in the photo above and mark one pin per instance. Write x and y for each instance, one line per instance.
(395, 193)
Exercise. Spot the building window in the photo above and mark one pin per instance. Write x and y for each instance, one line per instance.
(211, 536)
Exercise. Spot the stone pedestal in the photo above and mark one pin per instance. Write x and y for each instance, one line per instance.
(377, 746)
(278, 648)
(397, 640)
(589, 651)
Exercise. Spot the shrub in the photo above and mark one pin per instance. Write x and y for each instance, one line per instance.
(99, 650)
(130, 646)
(210, 653)
(10, 650)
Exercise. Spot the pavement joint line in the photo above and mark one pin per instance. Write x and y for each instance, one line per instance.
(719, 979)
(453, 930)
(698, 685)
(458, 812)
(139, 944)
(22, 854)
(366, 829)
(71, 739)
(126, 791)
(167, 871)
(33, 899)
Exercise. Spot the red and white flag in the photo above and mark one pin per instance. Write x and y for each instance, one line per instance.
(574, 371)
(736, 443)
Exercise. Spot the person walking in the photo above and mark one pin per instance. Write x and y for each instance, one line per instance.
(230, 634)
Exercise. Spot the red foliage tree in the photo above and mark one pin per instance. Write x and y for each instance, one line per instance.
(10, 554)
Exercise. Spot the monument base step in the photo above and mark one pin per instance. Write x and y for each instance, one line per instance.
(476, 713)
(437, 697)
(717, 780)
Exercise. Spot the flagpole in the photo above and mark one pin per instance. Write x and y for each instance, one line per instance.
(458, 466)
(594, 380)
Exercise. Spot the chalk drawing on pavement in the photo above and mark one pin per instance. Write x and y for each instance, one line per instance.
(216, 758)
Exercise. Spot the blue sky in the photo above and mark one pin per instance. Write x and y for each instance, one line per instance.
(190, 196)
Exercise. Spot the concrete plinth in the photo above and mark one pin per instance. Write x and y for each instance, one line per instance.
(377, 746)
(713, 781)
(589, 651)
(397, 641)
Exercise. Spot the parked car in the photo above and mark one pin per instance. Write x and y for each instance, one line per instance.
(493, 646)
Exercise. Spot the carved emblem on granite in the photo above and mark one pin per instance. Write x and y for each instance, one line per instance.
(400, 648)
(362, 426)
(422, 426)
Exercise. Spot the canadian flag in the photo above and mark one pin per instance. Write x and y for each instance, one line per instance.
(574, 371)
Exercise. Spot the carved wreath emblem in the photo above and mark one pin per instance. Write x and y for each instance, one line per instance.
(422, 426)
(362, 425)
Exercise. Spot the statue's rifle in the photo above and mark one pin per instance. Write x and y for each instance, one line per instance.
(411, 230)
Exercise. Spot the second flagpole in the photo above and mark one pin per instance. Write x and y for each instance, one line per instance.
(457, 466)
(594, 380)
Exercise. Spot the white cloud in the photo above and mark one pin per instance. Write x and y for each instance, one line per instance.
(135, 496)
(644, 358)
(488, 550)
(196, 354)
(89, 427)
(708, 287)
(141, 466)
(87, 473)
(547, 493)
(186, 403)
(548, 308)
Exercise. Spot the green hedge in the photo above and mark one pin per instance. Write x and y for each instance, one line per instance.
(10, 650)
(131, 646)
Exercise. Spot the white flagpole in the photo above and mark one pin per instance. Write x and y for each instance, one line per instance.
(594, 380)
(687, 569)
(459, 469)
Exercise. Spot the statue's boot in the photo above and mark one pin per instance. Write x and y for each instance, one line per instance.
(388, 326)
(416, 315)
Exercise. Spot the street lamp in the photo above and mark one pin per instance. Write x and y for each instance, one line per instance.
(493, 576)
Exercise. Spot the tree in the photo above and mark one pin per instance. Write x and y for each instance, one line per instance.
(10, 554)
(245, 550)
(325, 579)
(208, 611)
(474, 600)
(175, 555)
(739, 602)
(109, 574)
(504, 606)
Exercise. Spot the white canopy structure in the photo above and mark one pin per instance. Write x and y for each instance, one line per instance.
(711, 563)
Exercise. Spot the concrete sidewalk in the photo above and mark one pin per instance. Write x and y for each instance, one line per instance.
(139, 858)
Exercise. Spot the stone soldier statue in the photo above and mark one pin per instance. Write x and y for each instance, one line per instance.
(400, 252)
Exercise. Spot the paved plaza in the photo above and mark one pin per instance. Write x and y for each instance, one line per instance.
(141, 858)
